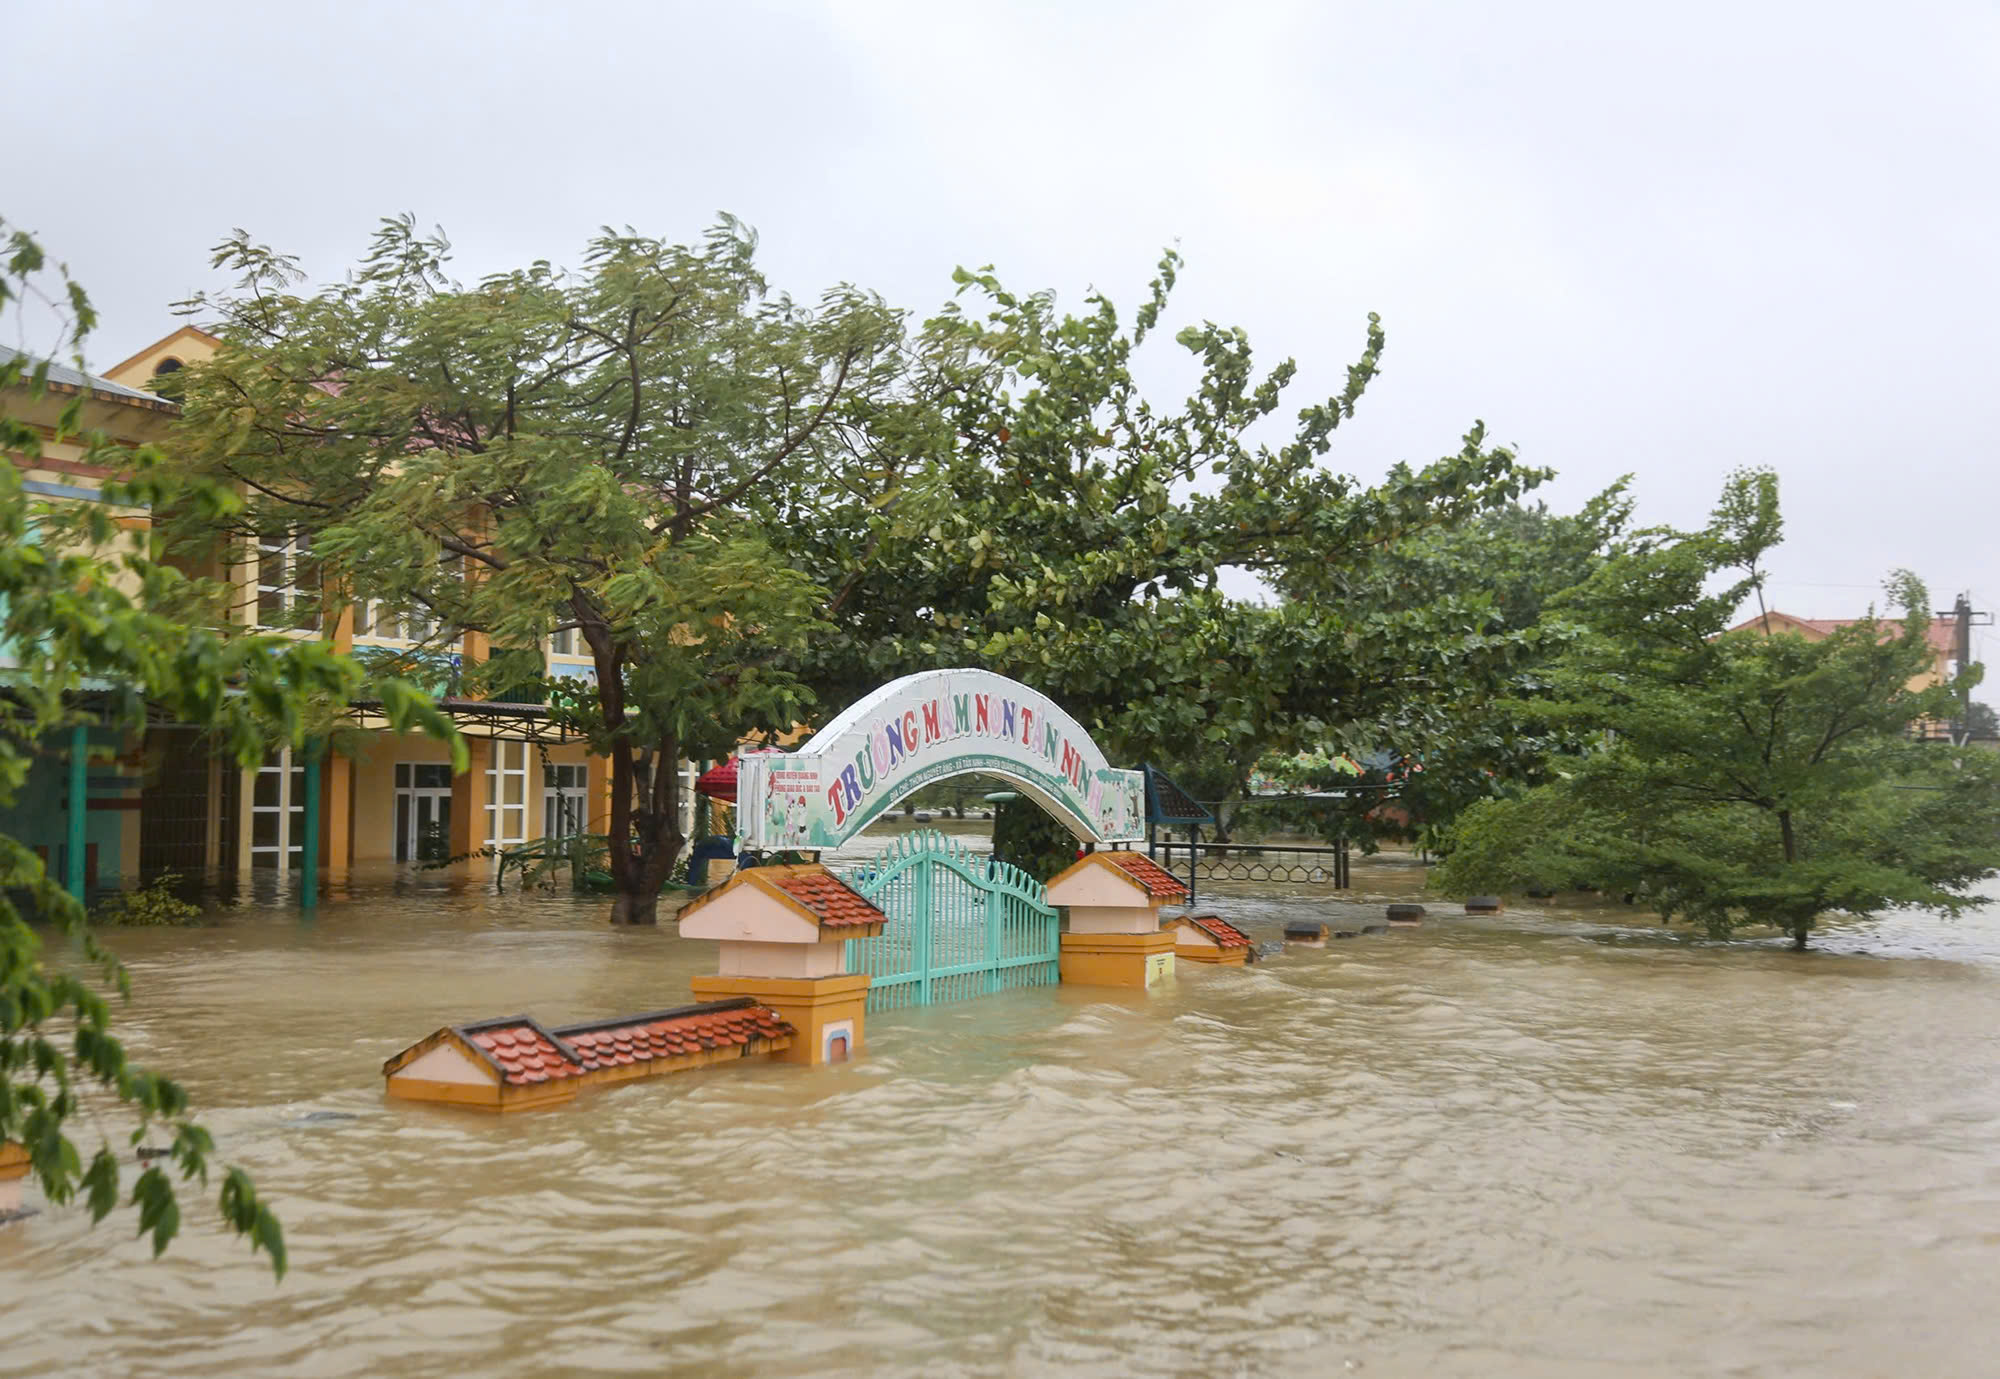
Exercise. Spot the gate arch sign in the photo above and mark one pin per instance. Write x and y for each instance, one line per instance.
(922, 729)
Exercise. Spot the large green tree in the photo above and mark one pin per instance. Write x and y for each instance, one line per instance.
(1741, 778)
(1071, 532)
(1433, 754)
(75, 648)
(602, 452)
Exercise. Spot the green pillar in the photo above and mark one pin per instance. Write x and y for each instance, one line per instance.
(309, 863)
(79, 805)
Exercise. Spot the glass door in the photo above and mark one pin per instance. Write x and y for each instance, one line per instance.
(423, 812)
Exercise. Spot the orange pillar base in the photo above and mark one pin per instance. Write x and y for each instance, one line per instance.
(1133, 960)
(1215, 957)
(13, 1168)
(829, 1013)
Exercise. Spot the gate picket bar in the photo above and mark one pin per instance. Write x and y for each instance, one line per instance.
(958, 925)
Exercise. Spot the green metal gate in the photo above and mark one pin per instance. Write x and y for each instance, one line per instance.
(959, 926)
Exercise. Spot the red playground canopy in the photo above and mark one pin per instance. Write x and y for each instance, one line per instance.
(718, 782)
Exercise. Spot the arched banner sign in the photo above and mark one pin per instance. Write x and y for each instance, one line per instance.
(923, 729)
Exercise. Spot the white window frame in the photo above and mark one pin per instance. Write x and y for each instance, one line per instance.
(565, 800)
(284, 855)
(287, 552)
(506, 821)
(376, 621)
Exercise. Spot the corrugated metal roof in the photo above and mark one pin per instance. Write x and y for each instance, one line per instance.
(75, 381)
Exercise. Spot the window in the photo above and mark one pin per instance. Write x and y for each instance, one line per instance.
(379, 622)
(563, 642)
(166, 366)
(507, 794)
(287, 581)
(565, 795)
(278, 813)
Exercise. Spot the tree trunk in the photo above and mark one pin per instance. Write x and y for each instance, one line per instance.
(1799, 926)
(635, 909)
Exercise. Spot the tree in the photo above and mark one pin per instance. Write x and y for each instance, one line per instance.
(1741, 778)
(64, 622)
(1433, 755)
(542, 453)
(1070, 533)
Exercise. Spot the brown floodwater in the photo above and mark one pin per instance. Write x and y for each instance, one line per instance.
(1558, 1142)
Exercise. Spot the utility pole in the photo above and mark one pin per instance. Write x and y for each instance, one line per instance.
(1963, 618)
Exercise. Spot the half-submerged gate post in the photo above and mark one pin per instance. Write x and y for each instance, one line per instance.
(1114, 937)
(783, 935)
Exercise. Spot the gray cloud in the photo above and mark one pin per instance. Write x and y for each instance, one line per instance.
(1664, 241)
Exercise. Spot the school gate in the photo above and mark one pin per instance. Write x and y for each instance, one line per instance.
(959, 925)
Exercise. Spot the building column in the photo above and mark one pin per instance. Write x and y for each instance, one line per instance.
(246, 795)
(338, 853)
(597, 798)
(468, 798)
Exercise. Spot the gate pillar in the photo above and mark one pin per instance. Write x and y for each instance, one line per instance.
(1114, 939)
(782, 934)
(829, 1013)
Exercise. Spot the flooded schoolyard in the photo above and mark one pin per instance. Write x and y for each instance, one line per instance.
(1552, 1142)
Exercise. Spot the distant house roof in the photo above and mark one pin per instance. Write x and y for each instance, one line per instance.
(63, 379)
(1225, 934)
(806, 887)
(1941, 635)
(184, 333)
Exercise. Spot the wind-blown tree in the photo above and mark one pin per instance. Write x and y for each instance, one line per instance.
(1461, 741)
(1741, 779)
(66, 628)
(1072, 533)
(544, 451)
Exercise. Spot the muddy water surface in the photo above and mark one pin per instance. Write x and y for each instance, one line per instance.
(1549, 1143)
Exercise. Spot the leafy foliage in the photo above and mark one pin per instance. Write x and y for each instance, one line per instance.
(1029, 837)
(69, 630)
(597, 454)
(1741, 778)
(1431, 755)
(150, 907)
(1067, 531)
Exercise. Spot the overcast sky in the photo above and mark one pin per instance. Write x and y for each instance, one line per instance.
(1669, 240)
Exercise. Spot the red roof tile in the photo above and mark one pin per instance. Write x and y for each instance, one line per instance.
(668, 1034)
(524, 1053)
(528, 1055)
(832, 901)
(1160, 883)
(1225, 934)
(1941, 633)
